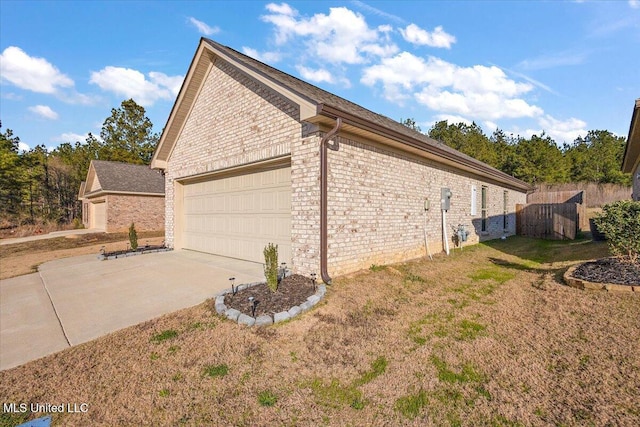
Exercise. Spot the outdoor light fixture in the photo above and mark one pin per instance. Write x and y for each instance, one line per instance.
(233, 289)
(313, 279)
(102, 250)
(253, 303)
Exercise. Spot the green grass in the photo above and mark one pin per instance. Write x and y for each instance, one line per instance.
(411, 405)
(164, 335)
(216, 370)
(267, 398)
(164, 392)
(375, 267)
(335, 395)
(378, 367)
(445, 374)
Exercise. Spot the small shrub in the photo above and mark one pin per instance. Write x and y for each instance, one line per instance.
(267, 398)
(271, 266)
(216, 370)
(620, 223)
(77, 223)
(133, 237)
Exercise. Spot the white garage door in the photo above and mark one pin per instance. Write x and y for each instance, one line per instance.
(238, 216)
(98, 215)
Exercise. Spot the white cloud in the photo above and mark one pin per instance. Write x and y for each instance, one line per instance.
(378, 12)
(266, 57)
(438, 38)
(202, 27)
(342, 36)
(562, 130)
(70, 137)
(23, 147)
(31, 73)
(320, 75)
(554, 60)
(480, 92)
(133, 84)
(44, 111)
(635, 4)
(452, 119)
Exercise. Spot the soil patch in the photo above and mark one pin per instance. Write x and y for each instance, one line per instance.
(292, 290)
(609, 270)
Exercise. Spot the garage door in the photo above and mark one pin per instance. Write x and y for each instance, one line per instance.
(99, 215)
(238, 216)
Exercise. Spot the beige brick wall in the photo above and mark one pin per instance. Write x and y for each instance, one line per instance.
(376, 206)
(234, 121)
(147, 212)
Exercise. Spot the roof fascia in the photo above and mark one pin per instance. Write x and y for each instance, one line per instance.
(632, 150)
(437, 153)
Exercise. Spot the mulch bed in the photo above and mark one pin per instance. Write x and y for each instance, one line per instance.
(609, 270)
(292, 290)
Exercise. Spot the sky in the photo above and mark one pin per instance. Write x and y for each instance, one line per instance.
(525, 67)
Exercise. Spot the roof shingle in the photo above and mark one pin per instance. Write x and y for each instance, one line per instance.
(127, 177)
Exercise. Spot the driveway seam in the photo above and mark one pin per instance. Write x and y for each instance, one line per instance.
(44, 284)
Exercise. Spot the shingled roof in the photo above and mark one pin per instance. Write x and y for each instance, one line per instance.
(315, 102)
(127, 178)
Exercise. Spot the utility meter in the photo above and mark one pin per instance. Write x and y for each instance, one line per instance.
(427, 204)
(445, 199)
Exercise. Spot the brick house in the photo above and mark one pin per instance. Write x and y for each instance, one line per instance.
(253, 155)
(631, 160)
(116, 194)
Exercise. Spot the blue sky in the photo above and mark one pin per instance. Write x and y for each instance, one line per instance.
(563, 67)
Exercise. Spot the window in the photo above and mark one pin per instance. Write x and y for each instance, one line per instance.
(484, 208)
(474, 202)
(505, 210)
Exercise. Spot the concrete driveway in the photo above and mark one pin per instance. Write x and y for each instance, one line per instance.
(74, 300)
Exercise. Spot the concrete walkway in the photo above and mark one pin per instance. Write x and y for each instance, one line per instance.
(74, 300)
(51, 235)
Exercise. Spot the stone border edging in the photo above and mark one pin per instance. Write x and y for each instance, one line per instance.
(264, 320)
(102, 257)
(574, 282)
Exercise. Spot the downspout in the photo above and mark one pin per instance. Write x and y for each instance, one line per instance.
(324, 247)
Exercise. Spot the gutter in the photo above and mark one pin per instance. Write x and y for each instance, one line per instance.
(324, 246)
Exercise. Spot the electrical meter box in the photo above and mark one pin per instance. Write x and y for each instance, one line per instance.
(445, 199)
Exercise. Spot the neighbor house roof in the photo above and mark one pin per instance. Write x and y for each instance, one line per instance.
(316, 106)
(632, 151)
(117, 177)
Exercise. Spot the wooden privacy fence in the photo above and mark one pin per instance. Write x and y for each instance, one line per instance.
(548, 220)
(574, 196)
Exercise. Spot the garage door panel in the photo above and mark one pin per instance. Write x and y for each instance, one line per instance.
(238, 216)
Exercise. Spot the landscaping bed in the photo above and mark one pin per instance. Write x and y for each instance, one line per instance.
(293, 290)
(609, 270)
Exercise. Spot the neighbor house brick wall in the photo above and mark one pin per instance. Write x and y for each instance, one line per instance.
(147, 212)
(376, 206)
(234, 121)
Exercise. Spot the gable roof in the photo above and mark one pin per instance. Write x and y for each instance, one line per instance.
(316, 106)
(632, 150)
(118, 177)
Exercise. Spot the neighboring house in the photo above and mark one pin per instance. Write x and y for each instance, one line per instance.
(631, 160)
(253, 155)
(116, 194)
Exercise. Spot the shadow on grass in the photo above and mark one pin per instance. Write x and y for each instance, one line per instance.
(538, 255)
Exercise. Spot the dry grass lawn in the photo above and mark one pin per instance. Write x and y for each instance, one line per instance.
(24, 258)
(486, 336)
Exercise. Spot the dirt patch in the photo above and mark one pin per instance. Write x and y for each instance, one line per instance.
(24, 258)
(609, 270)
(292, 290)
(485, 336)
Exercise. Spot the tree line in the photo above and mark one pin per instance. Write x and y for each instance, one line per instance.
(39, 185)
(596, 157)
